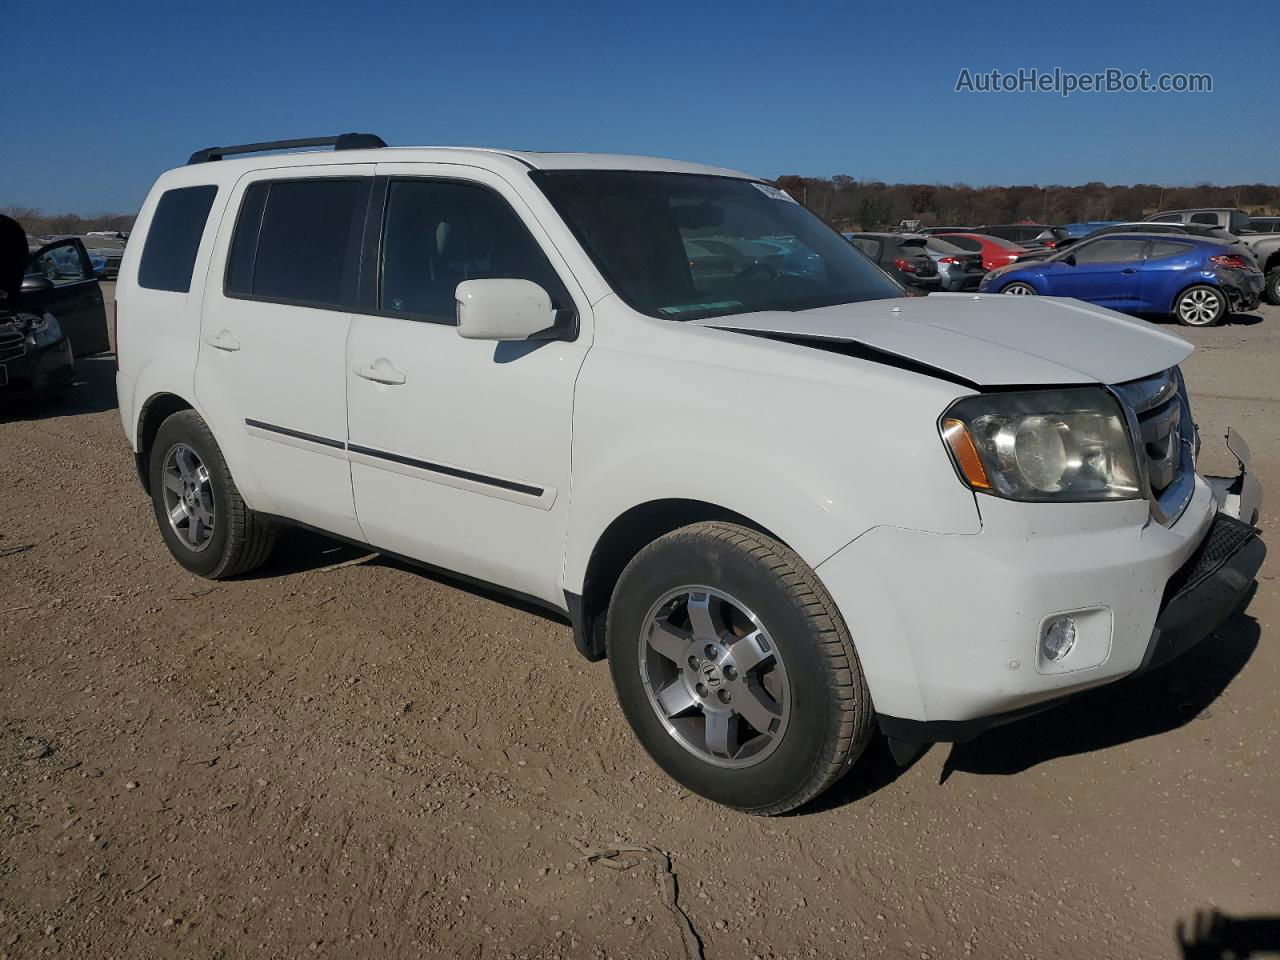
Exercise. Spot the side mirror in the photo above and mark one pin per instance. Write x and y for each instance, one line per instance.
(504, 310)
(1069, 260)
(36, 283)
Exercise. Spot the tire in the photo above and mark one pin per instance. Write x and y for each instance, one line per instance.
(221, 537)
(1272, 289)
(1200, 306)
(1018, 288)
(806, 685)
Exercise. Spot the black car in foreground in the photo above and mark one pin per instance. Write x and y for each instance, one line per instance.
(50, 309)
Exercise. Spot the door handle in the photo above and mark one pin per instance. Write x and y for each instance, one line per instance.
(381, 371)
(1130, 270)
(223, 341)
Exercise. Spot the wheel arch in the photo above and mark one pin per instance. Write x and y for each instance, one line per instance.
(624, 537)
(158, 408)
(1172, 307)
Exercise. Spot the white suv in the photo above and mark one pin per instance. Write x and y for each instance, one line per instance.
(789, 504)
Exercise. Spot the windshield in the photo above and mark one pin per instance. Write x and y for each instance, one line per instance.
(685, 246)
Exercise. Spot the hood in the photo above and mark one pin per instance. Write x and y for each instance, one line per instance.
(986, 340)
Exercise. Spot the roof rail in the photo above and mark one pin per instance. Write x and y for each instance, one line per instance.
(344, 141)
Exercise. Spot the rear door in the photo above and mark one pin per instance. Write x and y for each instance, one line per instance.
(1105, 271)
(271, 375)
(75, 298)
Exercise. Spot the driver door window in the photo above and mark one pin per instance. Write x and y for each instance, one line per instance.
(439, 233)
(61, 265)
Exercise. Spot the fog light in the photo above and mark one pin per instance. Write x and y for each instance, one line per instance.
(1058, 638)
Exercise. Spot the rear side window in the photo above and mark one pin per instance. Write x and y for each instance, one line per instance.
(1119, 250)
(174, 237)
(298, 241)
(1160, 249)
(868, 246)
(1210, 218)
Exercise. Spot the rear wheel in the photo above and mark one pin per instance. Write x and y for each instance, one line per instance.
(735, 670)
(204, 521)
(1200, 306)
(1020, 289)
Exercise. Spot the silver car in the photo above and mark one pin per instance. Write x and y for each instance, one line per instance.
(958, 269)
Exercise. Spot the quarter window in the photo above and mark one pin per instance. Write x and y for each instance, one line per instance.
(1161, 249)
(174, 237)
(298, 241)
(439, 233)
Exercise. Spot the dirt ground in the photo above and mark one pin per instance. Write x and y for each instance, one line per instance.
(337, 758)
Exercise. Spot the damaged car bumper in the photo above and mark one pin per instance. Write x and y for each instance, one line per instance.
(1133, 593)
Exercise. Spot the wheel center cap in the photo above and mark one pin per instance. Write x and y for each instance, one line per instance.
(711, 675)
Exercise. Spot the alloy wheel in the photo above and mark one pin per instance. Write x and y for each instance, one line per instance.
(714, 676)
(188, 497)
(1199, 307)
(1019, 290)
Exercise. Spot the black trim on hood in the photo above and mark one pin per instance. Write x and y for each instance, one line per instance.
(852, 348)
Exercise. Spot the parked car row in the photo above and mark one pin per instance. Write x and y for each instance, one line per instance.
(1193, 265)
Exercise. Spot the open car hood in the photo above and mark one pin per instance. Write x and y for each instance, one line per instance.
(986, 340)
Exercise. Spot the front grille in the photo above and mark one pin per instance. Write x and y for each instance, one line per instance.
(12, 343)
(1226, 536)
(1165, 440)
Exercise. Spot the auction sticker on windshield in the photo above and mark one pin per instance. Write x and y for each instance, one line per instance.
(773, 193)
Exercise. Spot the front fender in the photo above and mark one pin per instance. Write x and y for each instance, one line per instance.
(815, 447)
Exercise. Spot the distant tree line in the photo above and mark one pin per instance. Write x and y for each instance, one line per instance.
(849, 203)
(38, 224)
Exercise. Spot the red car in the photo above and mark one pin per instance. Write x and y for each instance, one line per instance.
(995, 252)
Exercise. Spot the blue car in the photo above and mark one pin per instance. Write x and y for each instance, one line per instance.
(1194, 279)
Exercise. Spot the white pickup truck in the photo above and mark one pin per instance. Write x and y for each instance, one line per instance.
(790, 505)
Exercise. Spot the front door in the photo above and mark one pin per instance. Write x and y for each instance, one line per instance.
(1106, 271)
(271, 374)
(460, 449)
(74, 299)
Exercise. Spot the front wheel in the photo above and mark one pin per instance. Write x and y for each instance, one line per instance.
(1200, 306)
(735, 670)
(1020, 289)
(204, 521)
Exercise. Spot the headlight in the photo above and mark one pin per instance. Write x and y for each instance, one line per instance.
(1060, 445)
(47, 332)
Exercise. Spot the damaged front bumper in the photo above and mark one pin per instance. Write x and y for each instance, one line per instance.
(1148, 596)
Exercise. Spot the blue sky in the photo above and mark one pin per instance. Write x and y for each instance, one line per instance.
(110, 94)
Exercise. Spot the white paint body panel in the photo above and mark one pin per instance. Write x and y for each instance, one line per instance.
(837, 455)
